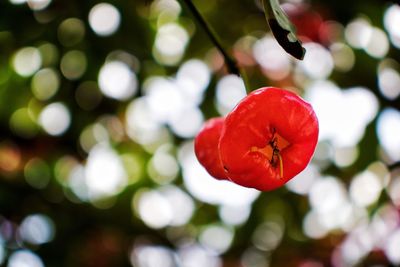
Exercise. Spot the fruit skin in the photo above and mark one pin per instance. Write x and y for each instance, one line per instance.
(206, 147)
(252, 124)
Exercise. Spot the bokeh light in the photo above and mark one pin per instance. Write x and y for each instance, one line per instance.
(10, 156)
(2, 254)
(37, 173)
(162, 8)
(317, 53)
(17, 2)
(77, 184)
(116, 80)
(362, 35)
(304, 180)
(272, 58)
(193, 77)
(389, 80)
(388, 130)
(55, 118)
(49, 54)
(45, 84)
(73, 64)
(392, 246)
(27, 61)
(71, 31)
(104, 19)
(358, 33)
(378, 44)
(104, 172)
(194, 255)
(391, 20)
(166, 206)
(312, 226)
(38, 4)
(327, 195)
(234, 215)
(170, 44)
(163, 167)
(24, 258)
(230, 90)
(154, 209)
(343, 57)
(152, 256)
(217, 238)
(207, 189)
(160, 91)
(345, 156)
(252, 257)
(37, 229)
(394, 190)
(93, 135)
(188, 123)
(365, 188)
(23, 124)
(142, 126)
(268, 235)
(354, 108)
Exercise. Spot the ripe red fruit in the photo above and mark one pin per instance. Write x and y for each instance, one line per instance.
(206, 147)
(268, 138)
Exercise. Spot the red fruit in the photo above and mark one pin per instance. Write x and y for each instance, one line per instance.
(206, 147)
(268, 138)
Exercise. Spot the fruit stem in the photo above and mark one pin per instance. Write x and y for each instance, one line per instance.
(280, 164)
(246, 81)
(229, 61)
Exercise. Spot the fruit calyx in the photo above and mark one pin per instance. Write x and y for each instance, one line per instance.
(272, 150)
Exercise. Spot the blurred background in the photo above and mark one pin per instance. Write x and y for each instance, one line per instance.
(99, 105)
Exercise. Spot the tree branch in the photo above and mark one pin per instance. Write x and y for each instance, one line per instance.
(230, 62)
(394, 166)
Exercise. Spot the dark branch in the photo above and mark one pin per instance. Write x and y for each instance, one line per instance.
(394, 166)
(230, 62)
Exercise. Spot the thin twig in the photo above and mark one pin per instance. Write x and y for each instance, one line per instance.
(394, 166)
(230, 62)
